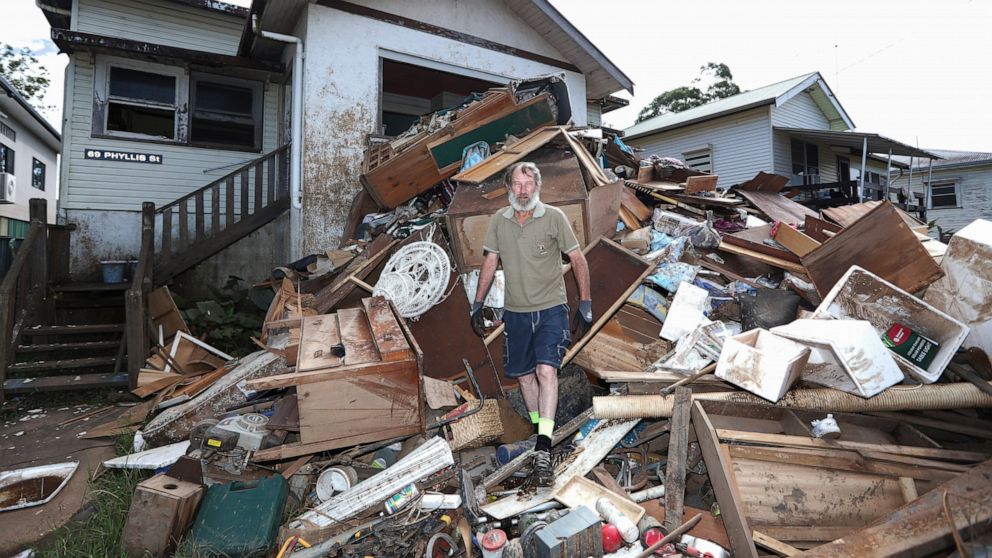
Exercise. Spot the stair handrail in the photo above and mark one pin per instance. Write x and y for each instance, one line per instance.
(25, 286)
(137, 334)
(222, 179)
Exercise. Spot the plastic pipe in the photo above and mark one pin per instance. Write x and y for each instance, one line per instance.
(908, 398)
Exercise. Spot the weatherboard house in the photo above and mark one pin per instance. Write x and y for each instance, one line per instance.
(795, 128)
(197, 106)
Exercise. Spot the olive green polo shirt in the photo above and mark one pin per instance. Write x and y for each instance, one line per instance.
(531, 256)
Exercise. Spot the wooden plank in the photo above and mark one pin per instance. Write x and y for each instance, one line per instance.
(356, 336)
(302, 378)
(797, 242)
(879, 242)
(754, 238)
(167, 232)
(798, 441)
(920, 528)
(840, 460)
(229, 202)
(498, 162)
(764, 182)
(244, 193)
(763, 258)
(360, 267)
(731, 508)
(775, 545)
(259, 170)
(817, 229)
(386, 332)
(703, 183)
(945, 425)
(319, 336)
(678, 448)
(777, 207)
(296, 449)
(183, 224)
(215, 209)
(635, 206)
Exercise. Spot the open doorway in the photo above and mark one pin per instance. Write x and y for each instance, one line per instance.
(410, 91)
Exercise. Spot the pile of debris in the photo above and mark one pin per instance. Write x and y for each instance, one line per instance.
(771, 380)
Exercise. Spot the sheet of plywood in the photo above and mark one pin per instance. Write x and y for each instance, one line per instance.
(764, 182)
(846, 215)
(880, 242)
(797, 242)
(703, 183)
(319, 343)
(777, 207)
(163, 311)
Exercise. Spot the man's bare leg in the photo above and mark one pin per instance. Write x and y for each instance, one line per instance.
(547, 380)
(530, 390)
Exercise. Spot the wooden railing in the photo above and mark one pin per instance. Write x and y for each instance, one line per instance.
(136, 298)
(24, 290)
(204, 222)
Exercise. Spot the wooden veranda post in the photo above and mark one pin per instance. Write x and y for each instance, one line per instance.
(136, 307)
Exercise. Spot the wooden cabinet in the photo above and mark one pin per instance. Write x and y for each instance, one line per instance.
(161, 511)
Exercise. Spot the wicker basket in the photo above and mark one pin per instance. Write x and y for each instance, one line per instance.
(478, 429)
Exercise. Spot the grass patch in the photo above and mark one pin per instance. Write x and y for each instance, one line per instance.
(100, 533)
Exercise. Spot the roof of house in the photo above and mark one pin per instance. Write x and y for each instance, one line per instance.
(37, 122)
(603, 77)
(776, 93)
(953, 159)
(58, 12)
(856, 141)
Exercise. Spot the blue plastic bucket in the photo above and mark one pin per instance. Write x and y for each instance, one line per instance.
(113, 270)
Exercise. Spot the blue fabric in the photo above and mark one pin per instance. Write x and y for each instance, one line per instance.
(533, 338)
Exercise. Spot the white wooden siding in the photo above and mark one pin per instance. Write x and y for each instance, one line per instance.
(974, 190)
(594, 114)
(800, 112)
(93, 184)
(740, 144)
(161, 23)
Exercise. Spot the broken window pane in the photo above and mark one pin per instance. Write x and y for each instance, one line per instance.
(150, 121)
(145, 86)
(37, 174)
(224, 113)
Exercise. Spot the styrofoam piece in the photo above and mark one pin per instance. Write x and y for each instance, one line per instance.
(845, 354)
(152, 459)
(43, 473)
(965, 290)
(761, 362)
(862, 295)
(686, 312)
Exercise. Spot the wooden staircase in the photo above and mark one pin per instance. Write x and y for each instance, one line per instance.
(59, 335)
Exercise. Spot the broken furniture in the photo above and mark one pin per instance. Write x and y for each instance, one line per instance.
(358, 380)
(161, 512)
(761, 362)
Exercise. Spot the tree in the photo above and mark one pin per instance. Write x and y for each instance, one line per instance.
(23, 70)
(686, 97)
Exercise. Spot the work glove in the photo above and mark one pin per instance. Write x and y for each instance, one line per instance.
(582, 322)
(478, 322)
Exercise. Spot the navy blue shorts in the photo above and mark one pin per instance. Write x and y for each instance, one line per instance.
(533, 338)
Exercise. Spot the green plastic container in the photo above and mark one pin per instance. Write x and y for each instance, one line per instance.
(240, 519)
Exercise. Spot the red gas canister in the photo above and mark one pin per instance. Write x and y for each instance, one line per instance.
(612, 541)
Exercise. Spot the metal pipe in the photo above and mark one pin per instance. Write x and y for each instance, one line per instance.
(913, 398)
(864, 159)
(888, 175)
(296, 147)
(927, 190)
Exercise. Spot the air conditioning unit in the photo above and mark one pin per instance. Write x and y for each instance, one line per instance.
(8, 185)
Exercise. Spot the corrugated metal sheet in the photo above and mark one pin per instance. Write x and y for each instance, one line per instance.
(94, 184)
(740, 144)
(161, 23)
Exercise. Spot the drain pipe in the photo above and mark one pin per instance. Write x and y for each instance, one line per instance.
(296, 140)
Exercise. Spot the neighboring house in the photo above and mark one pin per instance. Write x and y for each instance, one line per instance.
(180, 93)
(796, 128)
(960, 186)
(29, 148)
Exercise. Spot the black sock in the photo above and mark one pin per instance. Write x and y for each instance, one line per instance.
(543, 444)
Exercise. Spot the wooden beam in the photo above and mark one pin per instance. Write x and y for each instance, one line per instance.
(798, 441)
(300, 378)
(678, 449)
(840, 460)
(775, 545)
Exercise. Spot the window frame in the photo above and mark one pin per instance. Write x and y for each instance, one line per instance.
(944, 183)
(805, 162)
(104, 98)
(258, 104)
(10, 158)
(44, 173)
(697, 152)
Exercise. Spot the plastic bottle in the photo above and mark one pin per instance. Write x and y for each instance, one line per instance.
(611, 514)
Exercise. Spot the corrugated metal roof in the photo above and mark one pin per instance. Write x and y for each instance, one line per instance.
(742, 101)
(855, 141)
(953, 158)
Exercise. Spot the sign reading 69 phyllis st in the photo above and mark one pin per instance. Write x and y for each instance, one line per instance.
(123, 156)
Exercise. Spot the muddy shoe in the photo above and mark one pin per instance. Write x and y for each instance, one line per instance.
(543, 474)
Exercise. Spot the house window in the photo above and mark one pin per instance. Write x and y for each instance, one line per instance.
(806, 161)
(8, 131)
(141, 103)
(37, 174)
(943, 195)
(700, 159)
(225, 112)
(6, 159)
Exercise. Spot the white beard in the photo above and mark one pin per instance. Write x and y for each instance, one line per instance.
(529, 206)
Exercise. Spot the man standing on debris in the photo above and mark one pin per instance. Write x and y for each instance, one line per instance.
(529, 238)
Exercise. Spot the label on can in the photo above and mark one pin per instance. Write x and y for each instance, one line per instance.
(397, 501)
